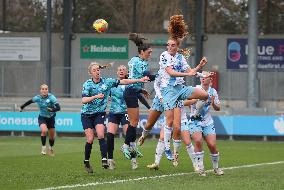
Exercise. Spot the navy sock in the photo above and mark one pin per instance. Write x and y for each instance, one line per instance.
(133, 155)
(51, 142)
(133, 138)
(43, 140)
(103, 148)
(88, 150)
(110, 145)
(129, 134)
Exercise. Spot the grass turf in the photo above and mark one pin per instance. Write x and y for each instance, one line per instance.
(23, 167)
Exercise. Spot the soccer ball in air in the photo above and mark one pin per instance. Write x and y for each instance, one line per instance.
(100, 25)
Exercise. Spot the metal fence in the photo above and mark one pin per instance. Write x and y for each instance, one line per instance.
(21, 81)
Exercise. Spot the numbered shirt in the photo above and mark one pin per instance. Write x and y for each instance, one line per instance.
(177, 63)
(90, 88)
(118, 104)
(137, 67)
(45, 102)
(205, 114)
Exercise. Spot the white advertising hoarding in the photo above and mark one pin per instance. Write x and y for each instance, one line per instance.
(19, 48)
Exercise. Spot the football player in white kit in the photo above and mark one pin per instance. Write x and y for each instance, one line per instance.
(204, 127)
(175, 68)
(156, 110)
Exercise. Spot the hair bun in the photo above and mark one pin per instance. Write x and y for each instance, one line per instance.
(136, 38)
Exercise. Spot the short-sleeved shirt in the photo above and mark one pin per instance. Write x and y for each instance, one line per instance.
(45, 102)
(90, 88)
(117, 104)
(204, 112)
(137, 67)
(177, 63)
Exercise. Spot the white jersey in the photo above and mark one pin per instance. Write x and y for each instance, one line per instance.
(178, 63)
(183, 115)
(205, 114)
(157, 86)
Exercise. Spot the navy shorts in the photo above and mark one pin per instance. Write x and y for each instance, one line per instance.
(118, 118)
(50, 122)
(91, 120)
(130, 96)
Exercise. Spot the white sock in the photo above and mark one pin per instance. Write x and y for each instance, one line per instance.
(145, 133)
(125, 146)
(215, 160)
(133, 145)
(177, 145)
(199, 105)
(198, 159)
(160, 149)
(167, 137)
(133, 160)
(190, 151)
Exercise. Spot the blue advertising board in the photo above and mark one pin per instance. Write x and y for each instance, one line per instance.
(225, 125)
(270, 53)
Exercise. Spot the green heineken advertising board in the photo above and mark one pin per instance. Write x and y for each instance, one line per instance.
(104, 48)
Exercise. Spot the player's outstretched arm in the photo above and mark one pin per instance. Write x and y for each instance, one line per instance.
(131, 81)
(26, 104)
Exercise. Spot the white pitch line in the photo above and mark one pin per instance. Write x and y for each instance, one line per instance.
(153, 177)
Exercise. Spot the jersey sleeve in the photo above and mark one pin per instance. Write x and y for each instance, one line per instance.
(157, 84)
(216, 99)
(185, 65)
(86, 90)
(35, 99)
(166, 60)
(110, 82)
(53, 99)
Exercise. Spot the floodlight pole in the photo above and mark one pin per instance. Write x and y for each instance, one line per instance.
(4, 15)
(199, 32)
(184, 8)
(134, 16)
(48, 39)
(253, 92)
(67, 35)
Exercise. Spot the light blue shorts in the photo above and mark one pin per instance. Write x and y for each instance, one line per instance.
(157, 105)
(172, 94)
(205, 130)
(184, 126)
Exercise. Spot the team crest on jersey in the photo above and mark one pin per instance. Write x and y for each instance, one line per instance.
(103, 87)
(47, 101)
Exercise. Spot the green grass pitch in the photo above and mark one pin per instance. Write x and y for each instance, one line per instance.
(23, 167)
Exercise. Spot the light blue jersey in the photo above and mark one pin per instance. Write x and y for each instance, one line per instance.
(137, 67)
(206, 125)
(118, 104)
(45, 102)
(204, 112)
(90, 88)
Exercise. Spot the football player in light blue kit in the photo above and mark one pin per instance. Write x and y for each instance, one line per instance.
(138, 67)
(175, 68)
(48, 106)
(204, 127)
(156, 110)
(94, 98)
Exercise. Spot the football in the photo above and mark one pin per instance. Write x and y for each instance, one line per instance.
(100, 25)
